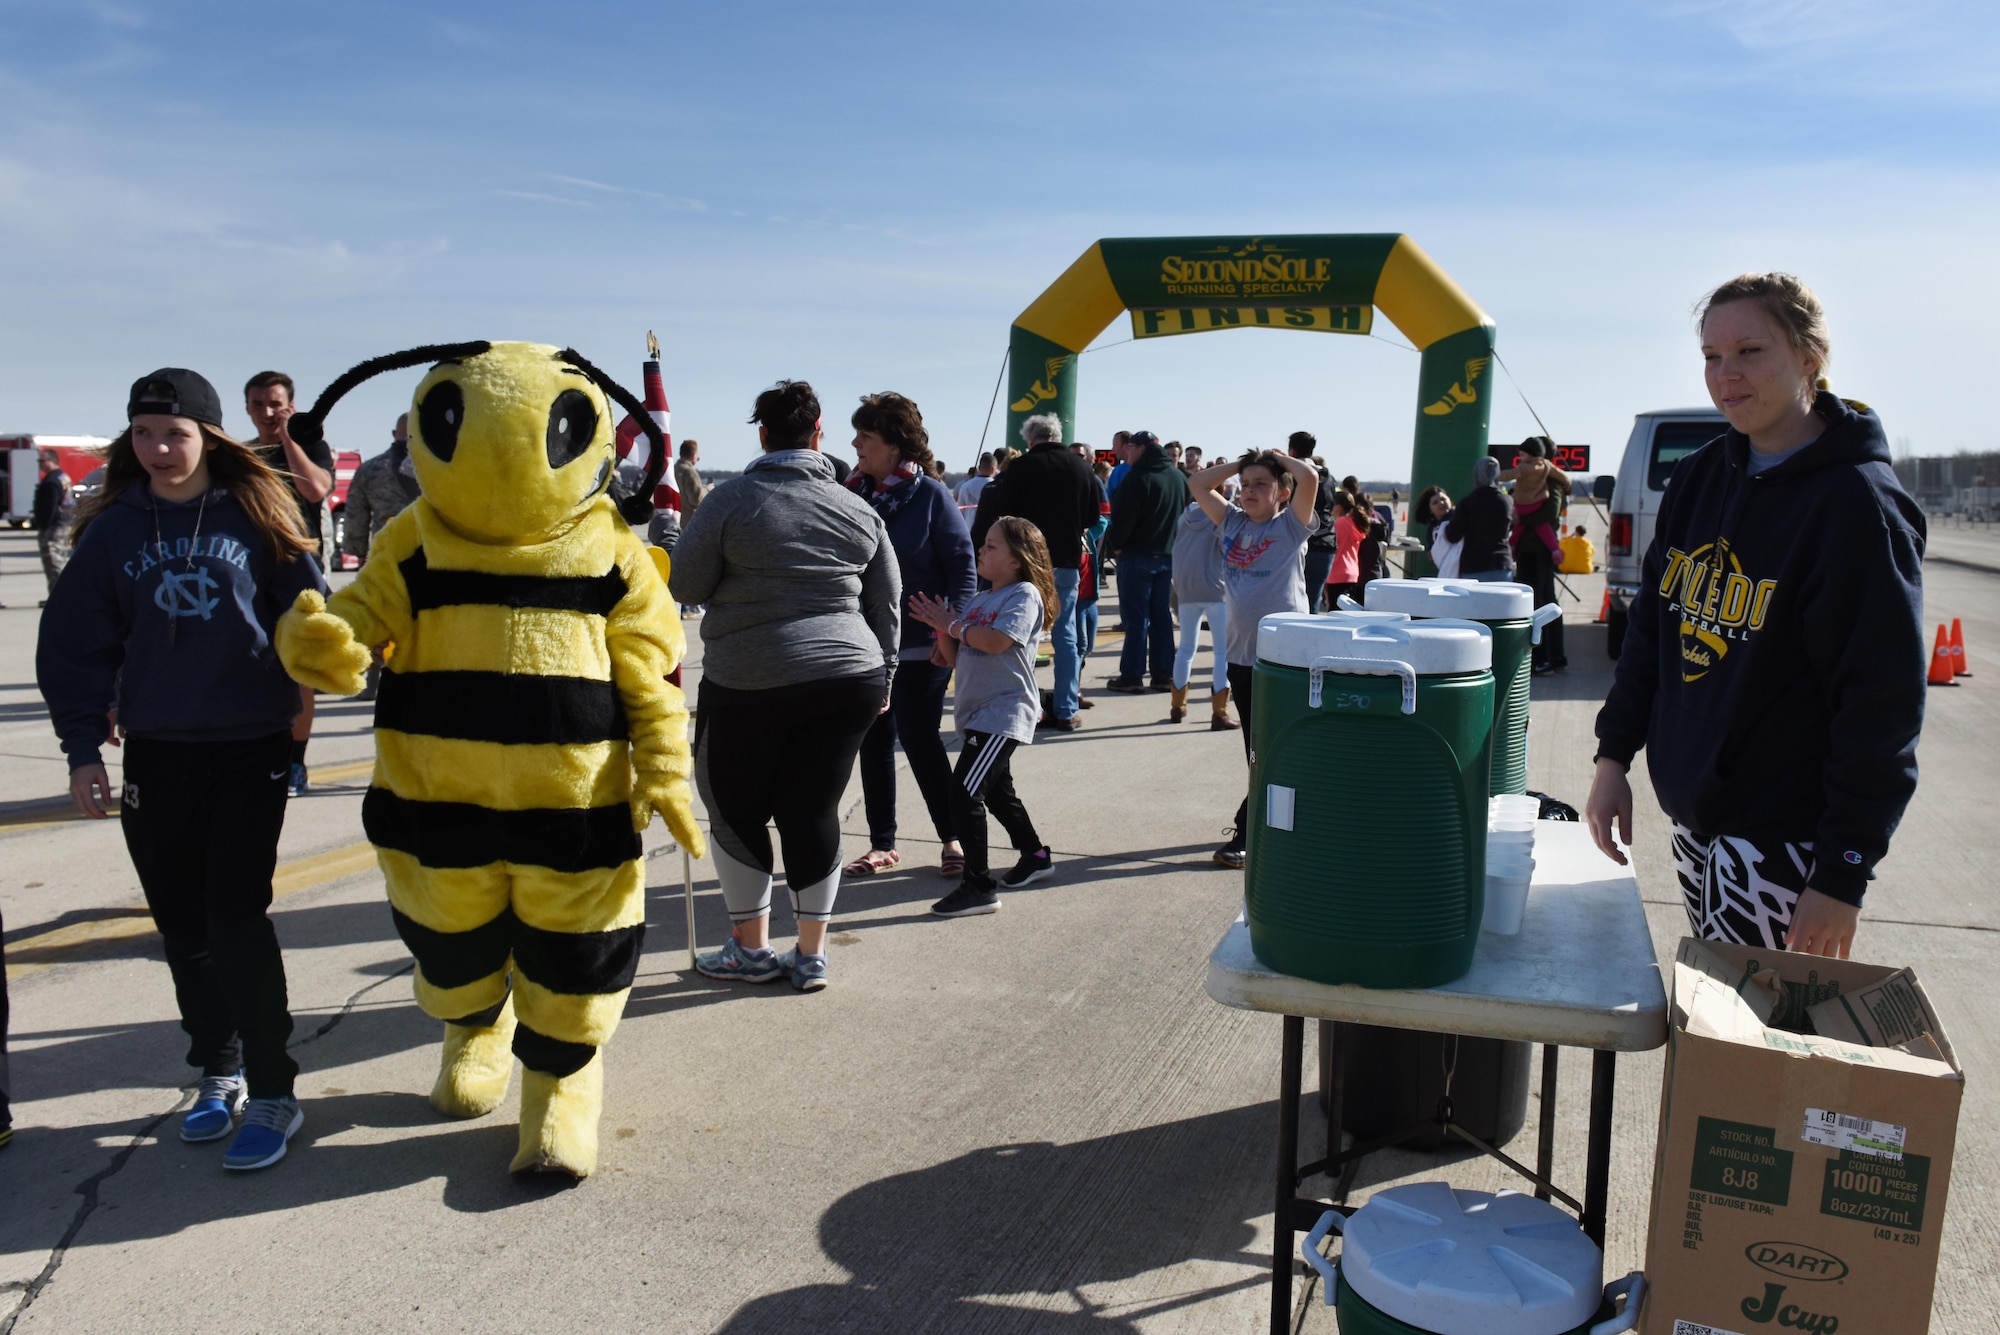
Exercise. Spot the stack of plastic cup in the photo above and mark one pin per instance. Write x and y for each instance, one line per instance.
(1510, 862)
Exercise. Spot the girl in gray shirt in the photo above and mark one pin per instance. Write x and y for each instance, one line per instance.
(1263, 555)
(992, 643)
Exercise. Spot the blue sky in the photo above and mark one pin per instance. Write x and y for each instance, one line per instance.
(866, 195)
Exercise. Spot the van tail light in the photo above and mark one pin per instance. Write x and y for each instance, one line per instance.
(1621, 535)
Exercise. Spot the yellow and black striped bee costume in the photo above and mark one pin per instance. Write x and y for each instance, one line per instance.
(525, 730)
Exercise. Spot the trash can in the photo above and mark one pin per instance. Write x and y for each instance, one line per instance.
(1509, 611)
(1348, 879)
(1391, 1080)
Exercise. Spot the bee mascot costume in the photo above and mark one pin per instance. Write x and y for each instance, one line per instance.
(525, 730)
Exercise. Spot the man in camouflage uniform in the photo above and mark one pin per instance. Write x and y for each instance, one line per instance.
(381, 487)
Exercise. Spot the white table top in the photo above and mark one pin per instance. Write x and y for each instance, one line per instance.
(1581, 973)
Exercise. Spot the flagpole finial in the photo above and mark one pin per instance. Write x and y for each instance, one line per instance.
(652, 346)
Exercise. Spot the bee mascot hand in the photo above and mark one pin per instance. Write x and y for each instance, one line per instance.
(669, 795)
(318, 648)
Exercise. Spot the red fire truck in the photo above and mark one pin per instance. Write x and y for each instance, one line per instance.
(21, 458)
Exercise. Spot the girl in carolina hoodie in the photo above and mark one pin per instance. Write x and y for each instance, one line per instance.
(183, 564)
(1774, 665)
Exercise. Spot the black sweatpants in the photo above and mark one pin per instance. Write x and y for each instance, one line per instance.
(781, 756)
(6, 1118)
(1536, 568)
(1242, 685)
(982, 781)
(201, 820)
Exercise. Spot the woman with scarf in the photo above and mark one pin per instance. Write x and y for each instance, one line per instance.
(934, 554)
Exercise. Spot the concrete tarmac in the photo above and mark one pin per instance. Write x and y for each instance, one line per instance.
(1035, 1121)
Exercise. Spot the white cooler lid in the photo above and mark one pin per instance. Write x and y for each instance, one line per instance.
(1431, 647)
(1471, 599)
(1472, 1261)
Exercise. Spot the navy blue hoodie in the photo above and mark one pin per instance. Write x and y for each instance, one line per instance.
(104, 632)
(1774, 663)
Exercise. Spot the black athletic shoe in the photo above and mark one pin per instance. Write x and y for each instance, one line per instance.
(1161, 686)
(966, 901)
(1126, 685)
(1036, 866)
(1231, 854)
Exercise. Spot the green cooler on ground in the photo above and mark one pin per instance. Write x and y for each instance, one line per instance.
(1509, 611)
(1368, 783)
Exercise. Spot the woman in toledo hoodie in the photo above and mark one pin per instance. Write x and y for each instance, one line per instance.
(184, 562)
(1774, 665)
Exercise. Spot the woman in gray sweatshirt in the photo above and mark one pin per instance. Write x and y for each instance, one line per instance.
(799, 646)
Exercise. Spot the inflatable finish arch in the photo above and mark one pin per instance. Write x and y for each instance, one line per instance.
(1327, 282)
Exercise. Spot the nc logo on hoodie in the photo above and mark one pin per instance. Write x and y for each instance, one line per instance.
(1720, 606)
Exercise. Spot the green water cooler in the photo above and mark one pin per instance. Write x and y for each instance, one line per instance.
(1509, 611)
(1350, 878)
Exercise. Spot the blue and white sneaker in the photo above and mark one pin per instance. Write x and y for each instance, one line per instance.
(216, 1104)
(268, 1125)
(734, 963)
(807, 972)
(300, 783)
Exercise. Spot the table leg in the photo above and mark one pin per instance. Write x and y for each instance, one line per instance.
(1333, 1090)
(1597, 1171)
(1288, 1164)
(1545, 1135)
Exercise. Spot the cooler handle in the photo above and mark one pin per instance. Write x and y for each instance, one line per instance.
(1633, 1289)
(1347, 604)
(1366, 667)
(1544, 614)
(1331, 1220)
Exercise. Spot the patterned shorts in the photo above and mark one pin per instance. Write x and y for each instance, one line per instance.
(1741, 890)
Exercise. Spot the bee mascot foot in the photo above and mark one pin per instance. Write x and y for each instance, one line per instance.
(478, 1059)
(559, 1121)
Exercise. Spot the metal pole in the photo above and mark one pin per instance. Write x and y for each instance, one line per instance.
(1597, 1169)
(1545, 1136)
(1282, 1227)
(687, 893)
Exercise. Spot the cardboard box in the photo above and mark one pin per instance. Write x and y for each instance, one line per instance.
(1801, 1176)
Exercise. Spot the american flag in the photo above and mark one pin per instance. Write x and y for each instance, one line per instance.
(634, 449)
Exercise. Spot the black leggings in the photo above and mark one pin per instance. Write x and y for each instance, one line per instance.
(916, 706)
(780, 756)
(983, 781)
(1242, 683)
(201, 820)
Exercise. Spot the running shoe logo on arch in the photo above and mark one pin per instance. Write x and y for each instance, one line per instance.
(1720, 606)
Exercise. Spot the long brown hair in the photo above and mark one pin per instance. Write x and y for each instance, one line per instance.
(232, 465)
(1028, 547)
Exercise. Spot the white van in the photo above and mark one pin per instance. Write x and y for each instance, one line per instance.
(1659, 440)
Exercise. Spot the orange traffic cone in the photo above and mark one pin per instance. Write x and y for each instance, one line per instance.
(1940, 673)
(1958, 667)
(1604, 612)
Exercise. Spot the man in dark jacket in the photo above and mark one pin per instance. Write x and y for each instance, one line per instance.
(53, 510)
(1481, 522)
(1145, 511)
(1056, 492)
(1320, 547)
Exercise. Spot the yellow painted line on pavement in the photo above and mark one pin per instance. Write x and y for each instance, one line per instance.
(99, 937)
(59, 811)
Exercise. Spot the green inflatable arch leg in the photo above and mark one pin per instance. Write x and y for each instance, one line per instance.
(1263, 277)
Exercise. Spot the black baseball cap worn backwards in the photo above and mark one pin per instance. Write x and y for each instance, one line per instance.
(175, 391)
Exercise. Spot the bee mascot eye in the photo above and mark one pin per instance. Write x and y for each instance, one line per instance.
(440, 416)
(572, 426)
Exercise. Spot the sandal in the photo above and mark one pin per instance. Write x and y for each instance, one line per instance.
(874, 860)
(953, 864)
